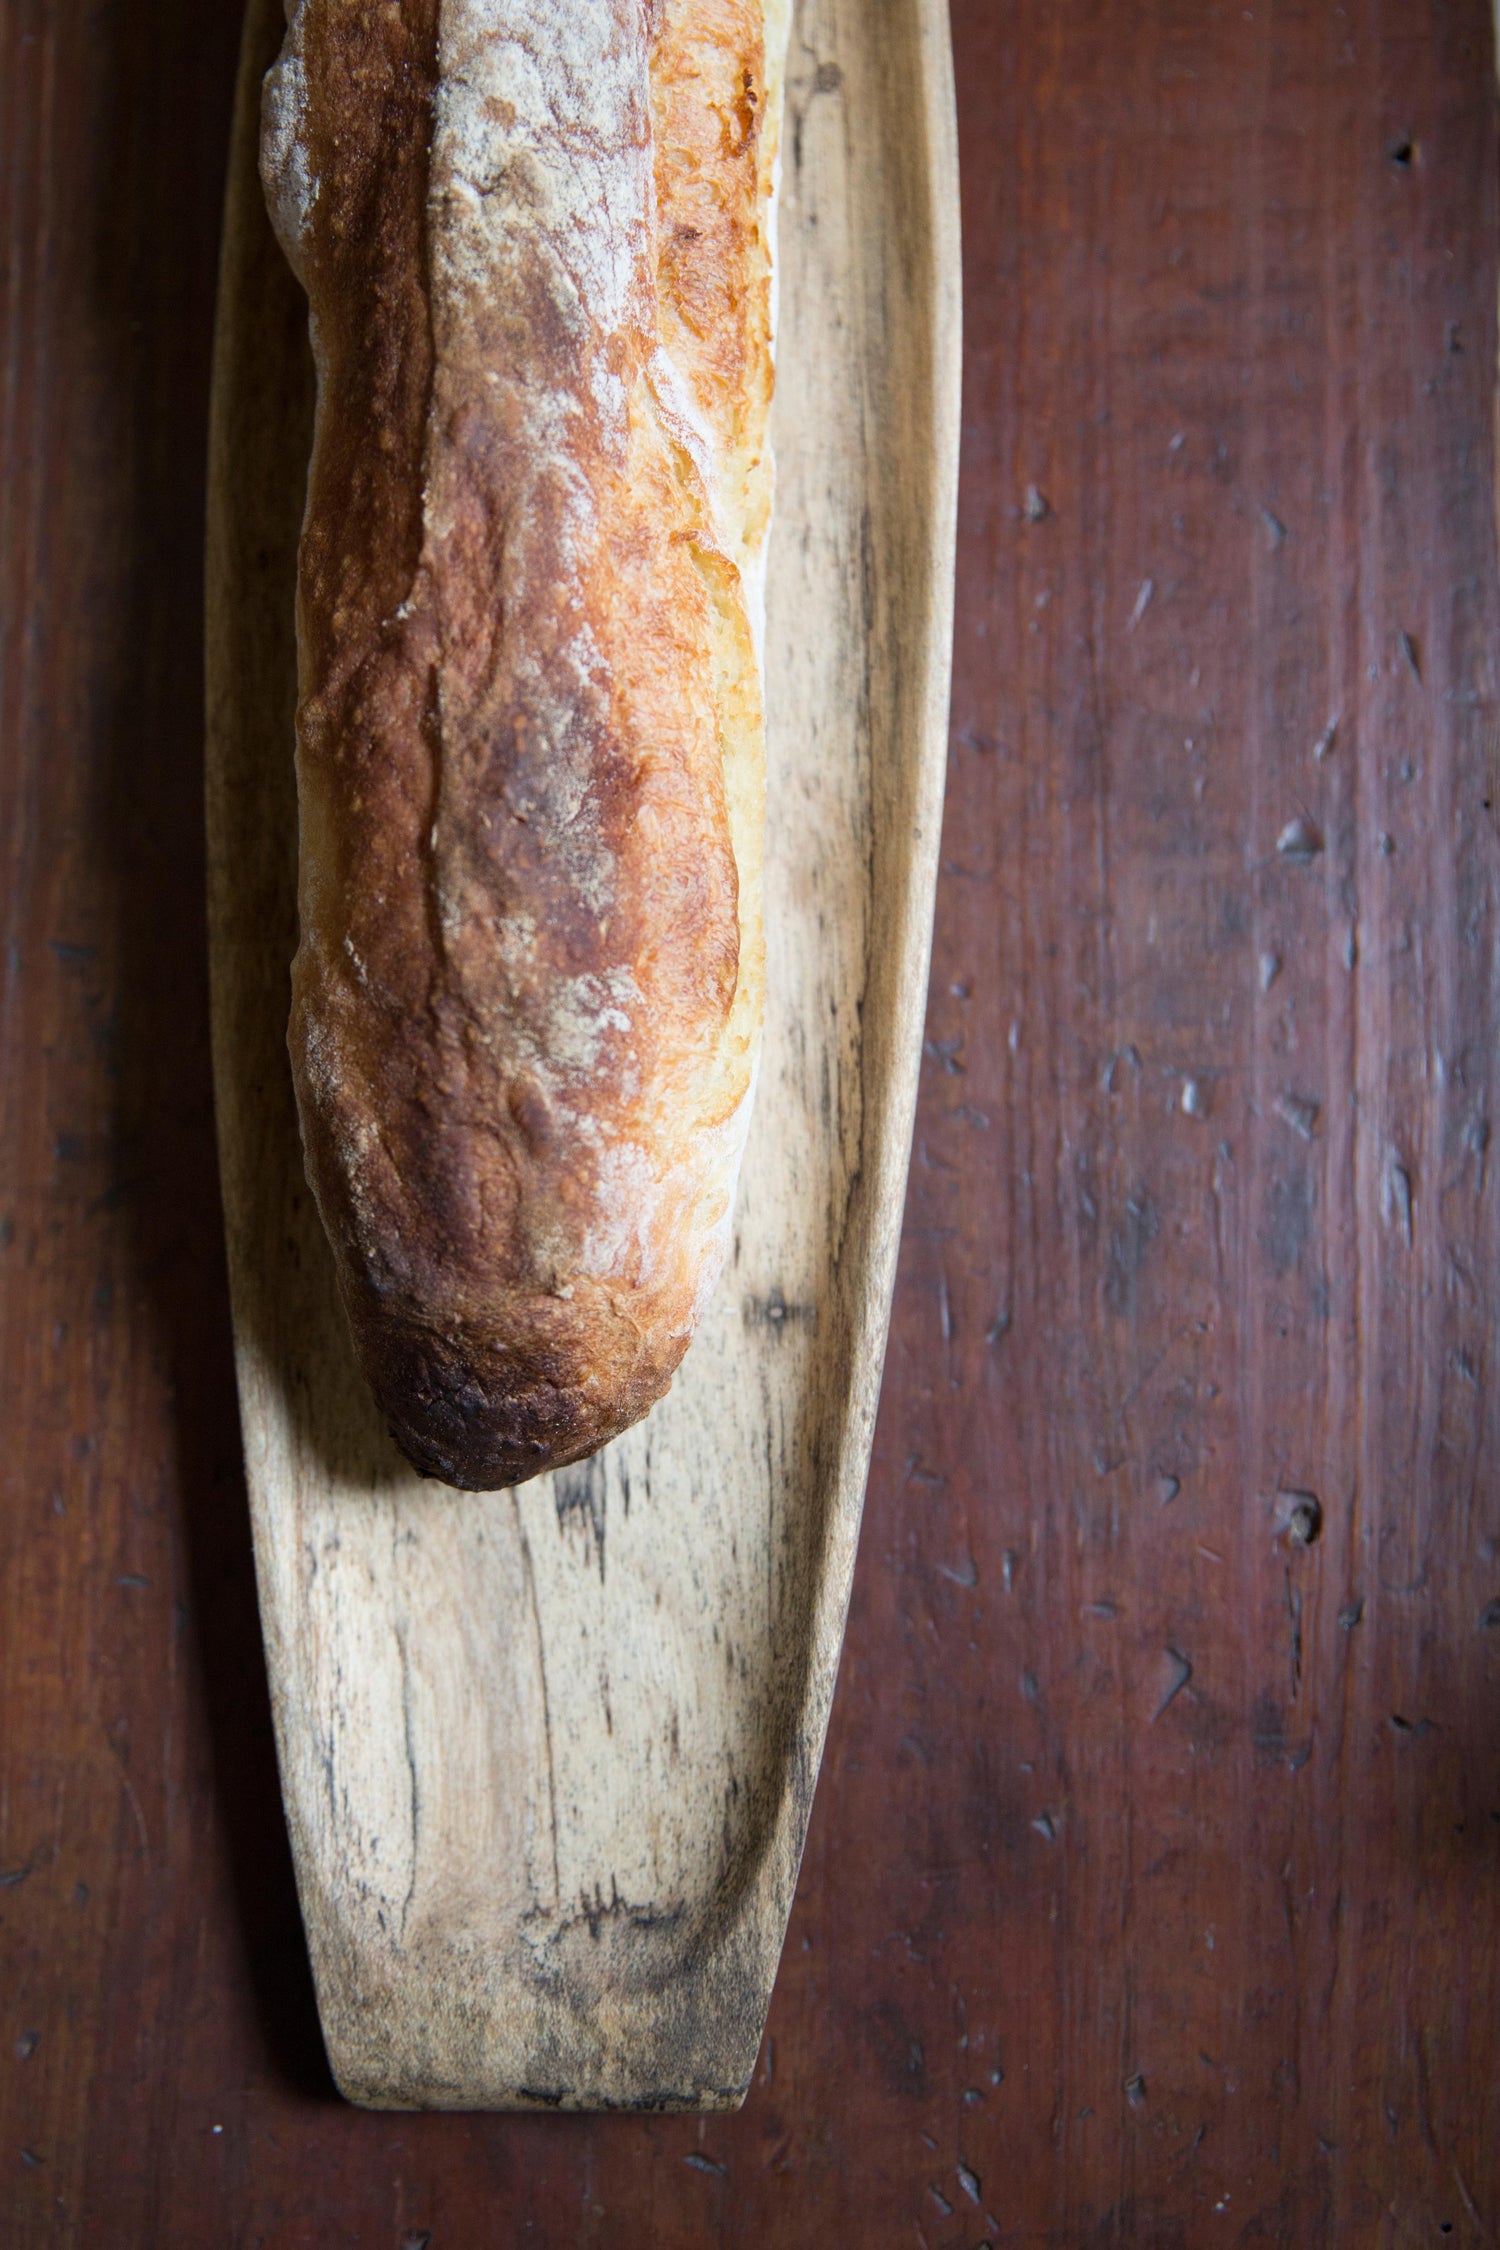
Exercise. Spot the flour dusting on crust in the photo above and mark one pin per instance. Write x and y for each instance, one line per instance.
(536, 237)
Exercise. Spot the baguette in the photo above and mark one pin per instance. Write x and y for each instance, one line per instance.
(536, 239)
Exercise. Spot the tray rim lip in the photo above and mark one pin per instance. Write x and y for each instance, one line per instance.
(907, 946)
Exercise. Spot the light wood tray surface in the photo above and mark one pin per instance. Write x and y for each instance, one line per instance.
(548, 1755)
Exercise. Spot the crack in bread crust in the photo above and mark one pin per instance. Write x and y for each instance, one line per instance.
(535, 237)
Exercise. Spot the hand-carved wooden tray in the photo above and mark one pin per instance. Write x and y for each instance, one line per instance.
(548, 1755)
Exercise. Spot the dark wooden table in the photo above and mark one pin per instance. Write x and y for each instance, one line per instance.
(1153, 1894)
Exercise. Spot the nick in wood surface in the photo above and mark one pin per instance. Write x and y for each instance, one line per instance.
(536, 237)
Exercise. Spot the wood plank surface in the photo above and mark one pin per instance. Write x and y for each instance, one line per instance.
(1153, 1883)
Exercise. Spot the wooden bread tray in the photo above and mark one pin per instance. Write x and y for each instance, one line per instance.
(548, 1755)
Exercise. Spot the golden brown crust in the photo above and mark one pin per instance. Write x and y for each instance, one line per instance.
(527, 997)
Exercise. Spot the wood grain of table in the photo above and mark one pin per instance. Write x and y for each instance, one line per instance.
(1153, 1891)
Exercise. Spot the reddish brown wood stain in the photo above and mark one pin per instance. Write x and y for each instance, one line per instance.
(1153, 1892)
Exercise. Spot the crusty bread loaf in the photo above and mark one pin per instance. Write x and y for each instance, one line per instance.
(536, 240)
